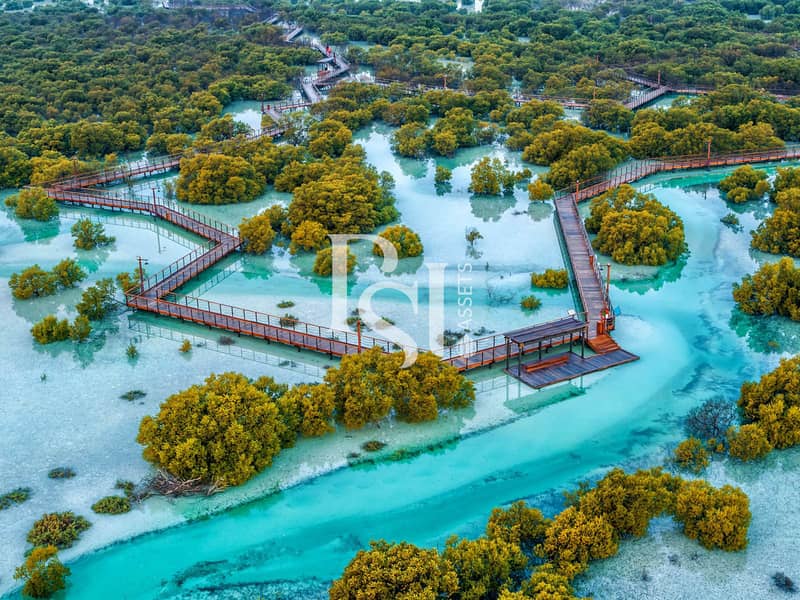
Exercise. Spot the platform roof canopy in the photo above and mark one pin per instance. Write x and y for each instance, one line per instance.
(546, 331)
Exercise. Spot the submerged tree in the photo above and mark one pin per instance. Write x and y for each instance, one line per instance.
(256, 233)
(88, 235)
(33, 203)
(42, 573)
(405, 241)
(635, 228)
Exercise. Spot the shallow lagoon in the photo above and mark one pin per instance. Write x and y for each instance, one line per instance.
(680, 322)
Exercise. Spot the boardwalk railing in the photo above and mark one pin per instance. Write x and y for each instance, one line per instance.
(192, 264)
(253, 323)
(598, 275)
(122, 172)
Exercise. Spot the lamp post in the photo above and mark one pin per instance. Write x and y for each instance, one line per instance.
(708, 152)
(142, 261)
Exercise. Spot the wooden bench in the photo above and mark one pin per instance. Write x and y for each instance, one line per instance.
(554, 361)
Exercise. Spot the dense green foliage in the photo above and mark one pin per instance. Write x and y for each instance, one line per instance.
(607, 114)
(42, 573)
(635, 228)
(717, 518)
(32, 282)
(405, 241)
(530, 302)
(57, 529)
(308, 235)
(457, 128)
(748, 442)
(97, 300)
(80, 81)
(50, 329)
(772, 290)
(35, 282)
(442, 175)
(691, 455)
(88, 235)
(398, 571)
(112, 505)
(323, 262)
(539, 190)
(218, 179)
(33, 203)
(774, 403)
(551, 278)
(619, 506)
(256, 233)
(222, 432)
(492, 177)
(368, 386)
(226, 430)
(745, 183)
(780, 233)
(344, 195)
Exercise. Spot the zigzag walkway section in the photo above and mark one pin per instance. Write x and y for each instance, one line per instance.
(158, 294)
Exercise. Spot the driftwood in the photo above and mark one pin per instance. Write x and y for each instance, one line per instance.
(166, 484)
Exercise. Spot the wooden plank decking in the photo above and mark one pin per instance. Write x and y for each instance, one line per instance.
(574, 367)
(582, 260)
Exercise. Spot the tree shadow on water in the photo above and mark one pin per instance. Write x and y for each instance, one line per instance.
(491, 208)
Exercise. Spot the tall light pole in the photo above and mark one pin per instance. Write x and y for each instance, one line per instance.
(708, 153)
(142, 261)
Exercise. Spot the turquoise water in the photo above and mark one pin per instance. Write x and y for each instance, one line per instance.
(680, 320)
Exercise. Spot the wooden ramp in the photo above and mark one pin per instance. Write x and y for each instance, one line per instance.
(564, 370)
(583, 263)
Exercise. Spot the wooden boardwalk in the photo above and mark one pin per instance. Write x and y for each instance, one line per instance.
(583, 264)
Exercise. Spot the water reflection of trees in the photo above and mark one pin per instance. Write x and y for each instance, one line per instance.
(767, 334)
(643, 284)
(491, 208)
(539, 211)
(36, 231)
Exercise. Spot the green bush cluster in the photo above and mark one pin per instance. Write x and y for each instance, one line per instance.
(112, 505)
(230, 428)
(551, 278)
(33, 203)
(17, 496)
(530, 303)
(57, 529)
(772, 290)
(458, 128)
(88, 235)
(492, 177)
(745, 183)
(525, 555)
(635, 228)
(323, 262)
(256, 234)
(691, 454)
(42, 573)
(780, 232)
(405, 241)
(35, 282)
